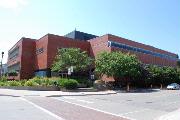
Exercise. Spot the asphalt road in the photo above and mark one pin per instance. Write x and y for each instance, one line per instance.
(138, 106)
(15, 108)
(121, 106)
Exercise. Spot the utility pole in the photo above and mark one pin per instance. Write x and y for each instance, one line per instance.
(2, 53)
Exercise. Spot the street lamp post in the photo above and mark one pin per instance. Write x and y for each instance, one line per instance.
(2, 53)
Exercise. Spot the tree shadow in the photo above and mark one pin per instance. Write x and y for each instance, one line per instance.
(8, 95)
(138, 91)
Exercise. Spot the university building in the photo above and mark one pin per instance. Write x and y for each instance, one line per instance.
(31, 57)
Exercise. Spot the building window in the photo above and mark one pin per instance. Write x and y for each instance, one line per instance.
(135, 49)
(14, 53)
(39, 51)
(15, 67)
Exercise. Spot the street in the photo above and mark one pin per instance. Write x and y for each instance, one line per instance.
(139, 106)
(121, 106)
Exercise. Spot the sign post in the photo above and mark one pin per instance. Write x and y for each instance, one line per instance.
(70, 70)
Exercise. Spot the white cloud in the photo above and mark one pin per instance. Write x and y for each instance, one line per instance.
(13, 4)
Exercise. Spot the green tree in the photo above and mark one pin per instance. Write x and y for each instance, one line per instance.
(118, 65)
(155, 74)
(74, 57)
(161, 75)
(178, 66)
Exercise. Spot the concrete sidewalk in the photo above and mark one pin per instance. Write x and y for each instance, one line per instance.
(10, 92)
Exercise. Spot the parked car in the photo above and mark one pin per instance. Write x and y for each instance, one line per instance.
(173, 86)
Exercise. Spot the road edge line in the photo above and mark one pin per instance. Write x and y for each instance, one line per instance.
(43, 109)
(96, 109)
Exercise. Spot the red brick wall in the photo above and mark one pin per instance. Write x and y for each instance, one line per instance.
(149, 59)
(17, 59)
(139, 45)
(27, 58)
(55, 42)
(41, 59)
(98, 45)
(144, 58)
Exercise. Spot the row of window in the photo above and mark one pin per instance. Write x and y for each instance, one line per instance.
(127, 47)
(14, 53)
(15, 67)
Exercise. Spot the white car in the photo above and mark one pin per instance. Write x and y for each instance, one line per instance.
(173, 86)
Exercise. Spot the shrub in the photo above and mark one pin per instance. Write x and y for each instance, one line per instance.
(68, 83)
(3, 79)
(3, 84)
(83, 80)
(47, 82)
(22, 82)
(13, 83)
(37, 80)
(30, 83)
(12, 73)
(44, 81)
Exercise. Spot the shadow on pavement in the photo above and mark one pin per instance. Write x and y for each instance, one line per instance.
(9, 95)
(138, 91)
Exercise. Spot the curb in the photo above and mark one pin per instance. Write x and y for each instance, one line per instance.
(82, 94)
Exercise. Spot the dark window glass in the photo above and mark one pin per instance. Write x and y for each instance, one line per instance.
(127, 47)
(39, 50)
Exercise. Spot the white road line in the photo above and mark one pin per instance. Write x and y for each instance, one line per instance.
(85, 101)
(71, 98)
(80, 100)
(95, 109)
(44, 110)
(132, 112)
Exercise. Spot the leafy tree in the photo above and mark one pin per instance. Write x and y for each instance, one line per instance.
(156, 74)
(68, 57)
(178, 66)
(117, 65)
(161, 75)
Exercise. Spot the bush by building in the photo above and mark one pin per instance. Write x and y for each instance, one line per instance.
(39, 81)
(68, 83)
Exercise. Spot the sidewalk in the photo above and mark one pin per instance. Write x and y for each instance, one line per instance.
(22, 93)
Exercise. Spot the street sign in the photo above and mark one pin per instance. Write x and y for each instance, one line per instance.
(69, 71)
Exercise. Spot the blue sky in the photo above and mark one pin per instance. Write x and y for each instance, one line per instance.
(153, 22)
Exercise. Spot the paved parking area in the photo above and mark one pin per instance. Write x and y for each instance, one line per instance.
(143, 105)
(69, 111)
(139, 106)
(15, 108)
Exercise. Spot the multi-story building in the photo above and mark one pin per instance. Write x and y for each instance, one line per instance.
(30, 57)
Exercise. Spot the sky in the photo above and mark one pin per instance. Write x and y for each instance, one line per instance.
(152, 22)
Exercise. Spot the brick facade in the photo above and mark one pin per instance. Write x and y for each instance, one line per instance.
(37, 56)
